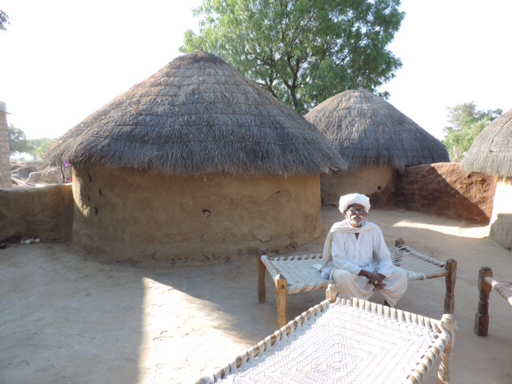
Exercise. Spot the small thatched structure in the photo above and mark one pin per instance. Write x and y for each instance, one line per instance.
(491, 153)
(195, 162)
(375, 139)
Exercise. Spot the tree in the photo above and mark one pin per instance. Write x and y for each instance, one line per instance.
(40, 146)
(4, 20)
(18, 142)
(466, 123)
(302, 51)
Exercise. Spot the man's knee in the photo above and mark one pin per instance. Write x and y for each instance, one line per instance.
(341, 275)
(402, 274)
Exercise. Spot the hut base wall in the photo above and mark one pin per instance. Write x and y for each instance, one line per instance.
(45, 212)
(132, 215)
(376, 182)
(501, 221)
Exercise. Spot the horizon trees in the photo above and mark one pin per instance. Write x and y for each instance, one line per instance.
(466, 123)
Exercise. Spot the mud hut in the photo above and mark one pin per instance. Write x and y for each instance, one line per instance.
(198, 163)
(376, 140)
(491, 153)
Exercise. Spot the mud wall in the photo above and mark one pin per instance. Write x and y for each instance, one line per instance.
(376, 182)
(5, 168)
(501, 221)
(445, 190)
(128, 214)
(45, 212)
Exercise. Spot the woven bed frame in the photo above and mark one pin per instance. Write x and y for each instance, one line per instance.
(347, 340)
(485, 284)
(296, 274)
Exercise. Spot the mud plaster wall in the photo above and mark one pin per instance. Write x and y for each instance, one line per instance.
(45, 212)
(445, 190)
(501, 221)
(374, 181)
(127, 214)
(5, 166)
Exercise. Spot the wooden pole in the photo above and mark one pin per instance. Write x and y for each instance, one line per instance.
(281, 299)
(450, 324)
(482, 314)
(261, 276)
(451, 277)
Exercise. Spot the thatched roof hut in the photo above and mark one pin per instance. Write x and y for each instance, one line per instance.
(491, 153)
(197, 161)
(375, 139)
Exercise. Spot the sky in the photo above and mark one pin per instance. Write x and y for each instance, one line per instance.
(62, 60)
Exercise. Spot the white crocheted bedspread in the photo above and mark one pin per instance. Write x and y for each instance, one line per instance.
(344, 345)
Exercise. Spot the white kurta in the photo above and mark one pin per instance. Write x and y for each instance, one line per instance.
(349, 255)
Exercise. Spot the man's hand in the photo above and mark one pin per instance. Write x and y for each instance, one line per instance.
(376, 279)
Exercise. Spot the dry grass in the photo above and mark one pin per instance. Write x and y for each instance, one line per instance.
(367, 130)
(198, 115)
(491, 152)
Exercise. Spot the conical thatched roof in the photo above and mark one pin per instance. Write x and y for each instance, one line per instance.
(491, 152)
(198, 115)
(367, 130)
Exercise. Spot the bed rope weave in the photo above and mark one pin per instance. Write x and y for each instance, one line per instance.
(504, 288)
(349, 341)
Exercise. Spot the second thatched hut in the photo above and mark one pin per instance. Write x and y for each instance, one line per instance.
(376, 140)
(196, 163)
(491, 153)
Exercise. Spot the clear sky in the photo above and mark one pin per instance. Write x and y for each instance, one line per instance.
(62, 60)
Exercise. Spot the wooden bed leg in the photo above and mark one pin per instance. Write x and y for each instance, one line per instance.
(261, 276)
(482, 314)
(449, 300)
(443, 376)
(281, 299)
(331, 293)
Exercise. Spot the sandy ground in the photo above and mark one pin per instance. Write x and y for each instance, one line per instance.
(66, 318)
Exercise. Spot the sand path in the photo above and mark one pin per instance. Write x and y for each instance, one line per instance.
(66, 318)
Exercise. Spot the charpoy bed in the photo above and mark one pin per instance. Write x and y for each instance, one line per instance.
(346, 340)
(296, 274)
(485, 284)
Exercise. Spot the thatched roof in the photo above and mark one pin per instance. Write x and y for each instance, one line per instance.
(198, 115)
(491, 151)
(367, 130)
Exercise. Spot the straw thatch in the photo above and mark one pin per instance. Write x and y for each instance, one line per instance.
(198, 115)
(367, 130)
(491, 152)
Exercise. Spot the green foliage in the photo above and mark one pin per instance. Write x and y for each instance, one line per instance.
(40, 146)
(466, 123)
(18, 142)
(302, 51)
(4, 20)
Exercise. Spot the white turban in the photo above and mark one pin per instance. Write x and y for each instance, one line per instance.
(354, 198)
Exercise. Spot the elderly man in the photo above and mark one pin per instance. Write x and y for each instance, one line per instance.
(356, 257)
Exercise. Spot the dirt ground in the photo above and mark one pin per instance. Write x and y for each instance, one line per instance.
(66, 318)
